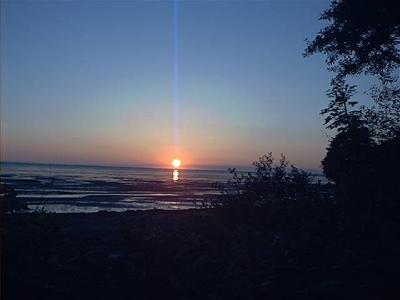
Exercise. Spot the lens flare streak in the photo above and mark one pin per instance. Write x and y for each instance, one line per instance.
(176, 74)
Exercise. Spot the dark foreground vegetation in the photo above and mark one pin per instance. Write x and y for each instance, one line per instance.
(317, 251)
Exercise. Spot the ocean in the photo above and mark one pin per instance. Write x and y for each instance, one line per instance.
(86, 189)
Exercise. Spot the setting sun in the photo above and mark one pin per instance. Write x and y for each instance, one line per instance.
(176, 163)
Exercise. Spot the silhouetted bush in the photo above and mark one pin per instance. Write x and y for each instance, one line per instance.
(270, 184)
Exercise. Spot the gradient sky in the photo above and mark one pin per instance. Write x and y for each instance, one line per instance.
(92, 82)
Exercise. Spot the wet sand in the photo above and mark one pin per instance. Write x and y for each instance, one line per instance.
(73, 189)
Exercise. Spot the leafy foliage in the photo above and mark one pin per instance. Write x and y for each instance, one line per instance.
(347, 155)
(365, 172)
(338, 113)
(270, 183)
(383, 118)
(362, 38)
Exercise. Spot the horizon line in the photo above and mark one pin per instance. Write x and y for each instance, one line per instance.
(141, 166)
(240, 168)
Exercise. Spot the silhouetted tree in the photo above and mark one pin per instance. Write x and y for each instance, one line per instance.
(384, 118)
(386, 168)
(363, 38)
(338, 114)
(348, 158)
(349, 162)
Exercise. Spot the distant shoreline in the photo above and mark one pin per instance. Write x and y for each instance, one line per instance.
(216, 169)
(202, 169)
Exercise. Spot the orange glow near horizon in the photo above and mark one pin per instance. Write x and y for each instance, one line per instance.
(176, 163)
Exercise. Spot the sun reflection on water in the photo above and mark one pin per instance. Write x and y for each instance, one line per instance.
(175, 175)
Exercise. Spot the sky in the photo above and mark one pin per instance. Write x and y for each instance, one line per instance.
(87, 82)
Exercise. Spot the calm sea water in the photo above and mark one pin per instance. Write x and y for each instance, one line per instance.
(67, 188)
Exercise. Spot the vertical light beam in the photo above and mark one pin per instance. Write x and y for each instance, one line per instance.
(176, 76)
